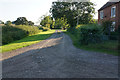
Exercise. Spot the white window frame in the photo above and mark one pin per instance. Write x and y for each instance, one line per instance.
(113, 13)
(112, 29)
(101, 14)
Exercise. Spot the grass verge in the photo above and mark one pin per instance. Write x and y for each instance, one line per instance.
(109, 47)
(27, 41)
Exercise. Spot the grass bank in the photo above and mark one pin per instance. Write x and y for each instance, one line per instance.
(29, 40)
(12, 33)
(109, 47)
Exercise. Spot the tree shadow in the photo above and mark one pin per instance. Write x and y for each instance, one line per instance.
(20, 59)
(34, 50)
(37, 37)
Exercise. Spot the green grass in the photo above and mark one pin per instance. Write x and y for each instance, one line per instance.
(64, 30)
(27, 41)
(109, 47)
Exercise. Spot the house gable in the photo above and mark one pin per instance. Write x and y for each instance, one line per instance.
(107, 5)
(111, 11)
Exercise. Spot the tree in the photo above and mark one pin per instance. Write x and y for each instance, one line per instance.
(46, 21)
(74, 12)
(61, 23)
(21, 21)
(1, 22)
(106, 24)
(8, 23)
(30, 23)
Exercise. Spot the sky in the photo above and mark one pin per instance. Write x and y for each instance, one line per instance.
(32, 9)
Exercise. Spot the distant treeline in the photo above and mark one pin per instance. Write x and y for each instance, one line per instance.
(19, 21)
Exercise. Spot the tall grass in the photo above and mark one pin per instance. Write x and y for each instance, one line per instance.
(29, 40)
(11, 33)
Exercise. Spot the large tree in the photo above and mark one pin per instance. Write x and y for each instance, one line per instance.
(61, 23)
(1, 22)
(30, 23)
(8, 23)
(46, 21)
(21, 21)
(74, 12)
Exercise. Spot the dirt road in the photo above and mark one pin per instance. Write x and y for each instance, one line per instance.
(56, 57)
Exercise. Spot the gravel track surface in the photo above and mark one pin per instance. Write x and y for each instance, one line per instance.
(56, 57)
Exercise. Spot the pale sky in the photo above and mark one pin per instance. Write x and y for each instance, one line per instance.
(31, 9)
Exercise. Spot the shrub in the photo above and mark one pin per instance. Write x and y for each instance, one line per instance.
(72, 30)
(12, 33)
(46, 29)
(91, 33)
(106, 26)
(43, 28)
(114, 35)
(40, 27)
(29, 29)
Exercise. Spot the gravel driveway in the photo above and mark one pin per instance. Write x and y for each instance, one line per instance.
(56, 57)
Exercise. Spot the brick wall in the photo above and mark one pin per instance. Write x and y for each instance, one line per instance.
(107, 14)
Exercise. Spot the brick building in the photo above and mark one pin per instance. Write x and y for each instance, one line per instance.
(110, 11)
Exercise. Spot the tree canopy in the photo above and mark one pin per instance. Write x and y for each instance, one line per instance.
(23, 21)
(46, 21)
(74, 12)
(8, 23)
(30, 23)
(1, 22)
(61, 23)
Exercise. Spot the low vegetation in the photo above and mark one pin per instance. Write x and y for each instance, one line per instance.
(29, 40)
(21, 33)
(43, 28)
(91, 37)
(11, 33)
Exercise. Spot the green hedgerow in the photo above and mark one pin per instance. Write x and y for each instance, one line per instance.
(12, 33)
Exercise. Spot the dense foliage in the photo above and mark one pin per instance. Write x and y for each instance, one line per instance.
(12, 33)
(91, 33)
(43, 28)
(8, 23)
(1, 22)
(75, 13)
(61, 23)
(23, 21)
(107, 25)
(46, 21)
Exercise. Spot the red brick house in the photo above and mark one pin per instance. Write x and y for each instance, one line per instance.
(110, 11)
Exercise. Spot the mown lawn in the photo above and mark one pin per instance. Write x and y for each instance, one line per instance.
(109, 47)
(27, 41)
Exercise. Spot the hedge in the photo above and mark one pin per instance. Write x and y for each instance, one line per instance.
(91, 33)
(12, 33)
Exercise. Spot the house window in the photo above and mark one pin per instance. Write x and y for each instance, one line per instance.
(112, 27)
(101, 14)
(113, 11)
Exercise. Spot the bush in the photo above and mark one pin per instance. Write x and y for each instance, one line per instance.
(12, 33)
(91, 33)
(106, 26)
(29, 29)
(72, 30)
(114, 35)
(40, 27)
(46, 29)
(43, 28)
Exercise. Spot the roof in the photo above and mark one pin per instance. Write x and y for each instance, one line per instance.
(107, 5)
